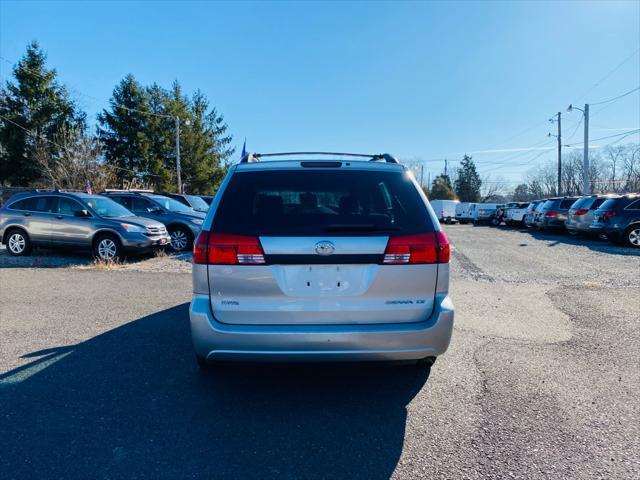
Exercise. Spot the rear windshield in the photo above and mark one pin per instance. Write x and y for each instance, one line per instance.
(310, 203)
(567, 202)
(583, 202)
(609, 204)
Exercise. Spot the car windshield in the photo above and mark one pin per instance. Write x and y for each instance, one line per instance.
(198, 203)
(105, 207)
(172, 205)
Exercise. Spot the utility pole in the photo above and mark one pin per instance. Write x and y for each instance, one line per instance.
(445, 166)
(586, 187)
(421, 176)
(178, 154)
(559, 154)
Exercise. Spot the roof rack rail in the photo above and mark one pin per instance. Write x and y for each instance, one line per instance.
(127, 190)
(254, 157)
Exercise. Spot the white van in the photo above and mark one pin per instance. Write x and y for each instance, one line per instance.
(463, 212)
(445, 210)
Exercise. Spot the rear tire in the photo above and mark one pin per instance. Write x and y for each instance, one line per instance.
(107, 247)
(18, 242)
(632, 236)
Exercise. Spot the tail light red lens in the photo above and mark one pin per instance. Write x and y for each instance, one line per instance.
(416, 249)
(551, 214)
(581, 211)
(227, 249)
(609, 213)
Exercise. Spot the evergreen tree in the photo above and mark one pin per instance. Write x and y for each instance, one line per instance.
(125, 129)
(142, 141)
(441, 188)
(37, 102)
(468, 183)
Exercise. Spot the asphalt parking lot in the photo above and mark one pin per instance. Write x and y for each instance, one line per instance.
(542, 380)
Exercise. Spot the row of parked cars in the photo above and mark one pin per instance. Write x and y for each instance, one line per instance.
(616, 217)
(110, 224)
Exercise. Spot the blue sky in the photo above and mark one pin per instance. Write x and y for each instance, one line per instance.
(425, 80)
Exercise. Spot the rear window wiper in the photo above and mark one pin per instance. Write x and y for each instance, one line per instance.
(359, 228)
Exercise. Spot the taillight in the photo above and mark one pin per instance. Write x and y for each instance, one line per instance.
(227, 249)
(200, 248)
(419, 248)
(609, 213)
(581, 211)
(551, 214)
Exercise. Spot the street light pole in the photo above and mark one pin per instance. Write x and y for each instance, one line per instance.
(178, 154)
(586, 184)
(559, 154)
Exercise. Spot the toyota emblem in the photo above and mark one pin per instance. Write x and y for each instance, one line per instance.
(325, 248)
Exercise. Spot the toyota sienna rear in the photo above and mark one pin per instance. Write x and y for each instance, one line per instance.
(316, 260)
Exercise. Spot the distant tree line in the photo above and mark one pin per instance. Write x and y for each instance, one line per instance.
(614, 169)
(45, 140)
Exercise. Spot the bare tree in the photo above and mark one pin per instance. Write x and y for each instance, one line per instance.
(493, 189)
(76, 160)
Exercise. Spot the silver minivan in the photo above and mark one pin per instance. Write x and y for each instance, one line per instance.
(316, 260)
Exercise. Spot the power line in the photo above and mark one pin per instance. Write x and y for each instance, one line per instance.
(625, 134)
(611, 72)
(42, 137)
(616, 98)
(38, 74)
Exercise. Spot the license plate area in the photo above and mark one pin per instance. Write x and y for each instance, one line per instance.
(324, 280)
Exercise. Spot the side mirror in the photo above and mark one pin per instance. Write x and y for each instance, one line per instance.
(81, 213)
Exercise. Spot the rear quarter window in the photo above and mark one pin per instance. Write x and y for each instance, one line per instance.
(635, 206)
(313, 203)
(34, 204)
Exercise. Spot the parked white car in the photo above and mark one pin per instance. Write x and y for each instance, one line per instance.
(515, 215)
(445, 210)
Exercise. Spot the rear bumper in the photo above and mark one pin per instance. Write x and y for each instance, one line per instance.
(380, 342)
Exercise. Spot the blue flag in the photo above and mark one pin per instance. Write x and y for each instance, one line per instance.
(244, 149)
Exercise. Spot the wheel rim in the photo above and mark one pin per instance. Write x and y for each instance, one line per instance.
(17, 243)
(634, 237)
(107, 249)
(178, 240)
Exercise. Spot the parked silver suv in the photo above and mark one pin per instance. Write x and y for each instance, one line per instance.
(73, 219)
(318, 260)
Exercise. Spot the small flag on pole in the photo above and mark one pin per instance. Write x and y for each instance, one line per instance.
(87, 188)
(244, 149)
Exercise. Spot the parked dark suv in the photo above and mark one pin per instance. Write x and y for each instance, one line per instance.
(619, 219)
(554, 213)
(182, 222)
(78, 220)
(194, 201)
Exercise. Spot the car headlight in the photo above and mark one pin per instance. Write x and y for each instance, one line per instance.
(133, 228)
(196, 221)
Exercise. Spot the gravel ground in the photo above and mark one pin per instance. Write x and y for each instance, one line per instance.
(541, 380)
(45, 258)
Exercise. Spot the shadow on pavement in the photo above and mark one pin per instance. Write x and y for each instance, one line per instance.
(603, 246)
(131, 403)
